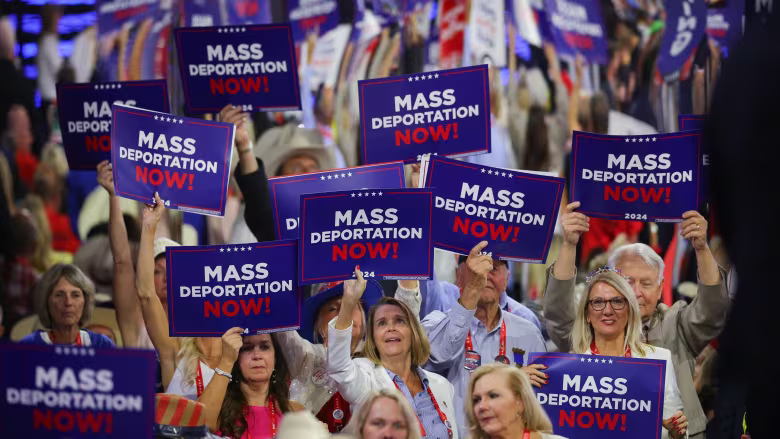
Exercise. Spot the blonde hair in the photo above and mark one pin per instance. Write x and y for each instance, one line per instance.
(413, 431)
(421, 348)
(42, 259)
(189, 358)
(45, 287)
(582, 333)
(534, 416)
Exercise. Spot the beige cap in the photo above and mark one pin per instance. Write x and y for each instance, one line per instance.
(160, 244)
(279, 144)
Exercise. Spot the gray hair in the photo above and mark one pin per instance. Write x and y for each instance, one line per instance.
(45, 288)
(644, 251)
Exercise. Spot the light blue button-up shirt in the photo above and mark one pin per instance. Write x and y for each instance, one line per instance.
(447, 333)
(423, 407)
(441, 296)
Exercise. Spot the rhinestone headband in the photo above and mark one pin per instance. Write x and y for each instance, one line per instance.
(604, 269)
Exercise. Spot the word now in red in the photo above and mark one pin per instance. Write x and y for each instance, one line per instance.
(231, 308)
(68, 420)
(358, 250)
(156, 177)
(632, 194)
(99, 143)
(587, 420)
(480, 229)
(421, 134)
(232, 86)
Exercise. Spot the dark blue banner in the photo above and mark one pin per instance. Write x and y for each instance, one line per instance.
(689, 122)
(686, 22)
(312, 16)
(249, 66)
(577, 26)
(186, 160)
(514, 211)
(286, 191)
(54, 392)
(643, 178)
(724, 23)
(385, 232)
(214, 288)
(246, 12)
(85, 115)
(445, 113)
(597, 397)
(200, 13)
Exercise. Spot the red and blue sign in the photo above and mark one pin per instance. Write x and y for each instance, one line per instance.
(515, 212)
(85, 115)
(644, 178)
(690, 122)
(186, 160)
(577, 26)
(52, 392)
(387, 232)
(443, 113)
(593, 396)
(286, 191)
(214, 288)
(251, 66)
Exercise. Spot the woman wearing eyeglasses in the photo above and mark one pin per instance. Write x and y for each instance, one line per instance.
(608, 323)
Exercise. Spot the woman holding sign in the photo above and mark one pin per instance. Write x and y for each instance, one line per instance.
(501, 404)
(608, 323)
(396, 347)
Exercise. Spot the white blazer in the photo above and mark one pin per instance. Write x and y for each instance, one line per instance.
(358, 378)
(672, 398)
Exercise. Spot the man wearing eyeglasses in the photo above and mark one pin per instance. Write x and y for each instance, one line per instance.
(684, 328)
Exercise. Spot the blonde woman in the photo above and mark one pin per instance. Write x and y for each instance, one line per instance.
(386, 415)
(395, 350)
(608, 322)
(501, 404)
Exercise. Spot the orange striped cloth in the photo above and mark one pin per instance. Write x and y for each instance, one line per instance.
(178, 411)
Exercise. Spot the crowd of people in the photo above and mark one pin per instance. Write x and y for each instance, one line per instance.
(80, 265)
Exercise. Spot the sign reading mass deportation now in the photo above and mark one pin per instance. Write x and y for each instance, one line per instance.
(514, 211)
(577, 26)
(52, 392)
(596, 397)
(85, 115)
(186, 160)
(445, 113)
(286, 191)
(249, 66)
(645, 178)
(385, 232)
(214, 288)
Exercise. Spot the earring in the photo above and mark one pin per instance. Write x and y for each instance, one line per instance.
(273, 377)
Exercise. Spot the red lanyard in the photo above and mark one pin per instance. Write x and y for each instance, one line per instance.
(272, 409)
(501, 341)
(199, 381)
(526, 434)
(595, 350)
(78, 339)
(442, 416)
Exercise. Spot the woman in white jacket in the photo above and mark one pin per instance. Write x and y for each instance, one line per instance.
(395, 349)
(608, 323)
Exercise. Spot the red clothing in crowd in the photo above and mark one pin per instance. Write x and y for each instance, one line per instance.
(603, 232)
(62, 237)
(26, 163)
(19, 277)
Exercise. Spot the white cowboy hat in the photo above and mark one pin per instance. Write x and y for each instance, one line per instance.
(279, 144)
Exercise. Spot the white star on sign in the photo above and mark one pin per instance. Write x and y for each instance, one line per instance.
(58, 350)
(627, 139)
(353, 195)
(633, 140)
(119, 86)
(222, 250)
(373, 194)
(181, 121)
(411, 79)
(155, 117)
(360, 194)
(380, 194)
(167, 119)
(336, 176)
(249, 249)
(330, 177)
(436, 75)
(96, 86)
(509, 175)
(641, 139)
(589, 360)
(430, 76)
(322, 178)
(653, 139)
(243, 248)
(483, 170)
(610, 361)
(228, 249)
(416, 78)
(490, 172)
(343, 175)
(647, 139)
(503, 174)
(243, 29)
(366, 194)
(582, 359)
(235, 249)
(349, 174)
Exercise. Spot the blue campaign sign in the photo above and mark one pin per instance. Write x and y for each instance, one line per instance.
(186, 160)
(85, 115)
(214, 288)
(577, 26)
(514, 211)
(286, 191)
(306, 16)
(645, 178)
(199, 13)
(54, 392)
(724, 23)
(686, 23)
(385, 232)
(597, 397)
(445, 113)
(251, 66)
(689, 122)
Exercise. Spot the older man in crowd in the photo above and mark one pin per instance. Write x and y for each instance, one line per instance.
(685, 329)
